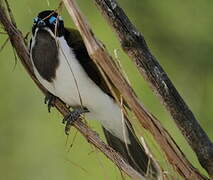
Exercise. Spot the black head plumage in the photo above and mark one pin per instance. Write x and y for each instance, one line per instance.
(49, 19)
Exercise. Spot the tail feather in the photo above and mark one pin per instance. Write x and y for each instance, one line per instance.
(133, 153)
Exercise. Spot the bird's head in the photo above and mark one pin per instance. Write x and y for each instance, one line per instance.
(48, 20)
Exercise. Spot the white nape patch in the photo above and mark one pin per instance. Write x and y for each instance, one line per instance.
(100, 105)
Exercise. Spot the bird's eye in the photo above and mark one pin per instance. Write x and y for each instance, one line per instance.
(52, 20)
(35, 20)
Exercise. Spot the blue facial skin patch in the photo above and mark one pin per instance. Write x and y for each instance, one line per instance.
(52, 20)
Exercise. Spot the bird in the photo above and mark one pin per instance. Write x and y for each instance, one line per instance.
(61, 63)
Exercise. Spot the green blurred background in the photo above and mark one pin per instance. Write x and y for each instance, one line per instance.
(32, 141)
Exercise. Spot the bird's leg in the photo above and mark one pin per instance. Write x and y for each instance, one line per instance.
(49, 100)
(70, 118)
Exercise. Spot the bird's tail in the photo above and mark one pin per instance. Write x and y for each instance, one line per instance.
(134, 153)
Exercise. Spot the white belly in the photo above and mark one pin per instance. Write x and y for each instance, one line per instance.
(72, 82)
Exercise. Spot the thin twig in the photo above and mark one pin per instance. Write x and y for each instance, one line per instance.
(10, 13)
(4, 44)
(16, 59)
(78, 166)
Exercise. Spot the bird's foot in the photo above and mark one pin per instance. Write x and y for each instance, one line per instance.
(70, 118)
(49, 100)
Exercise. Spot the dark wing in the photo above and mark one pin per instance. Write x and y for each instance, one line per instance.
(75, 41)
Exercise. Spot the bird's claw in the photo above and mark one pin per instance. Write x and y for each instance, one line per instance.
(49, 100)
(71, 117)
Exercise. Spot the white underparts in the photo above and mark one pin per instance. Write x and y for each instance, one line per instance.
(72, 82)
